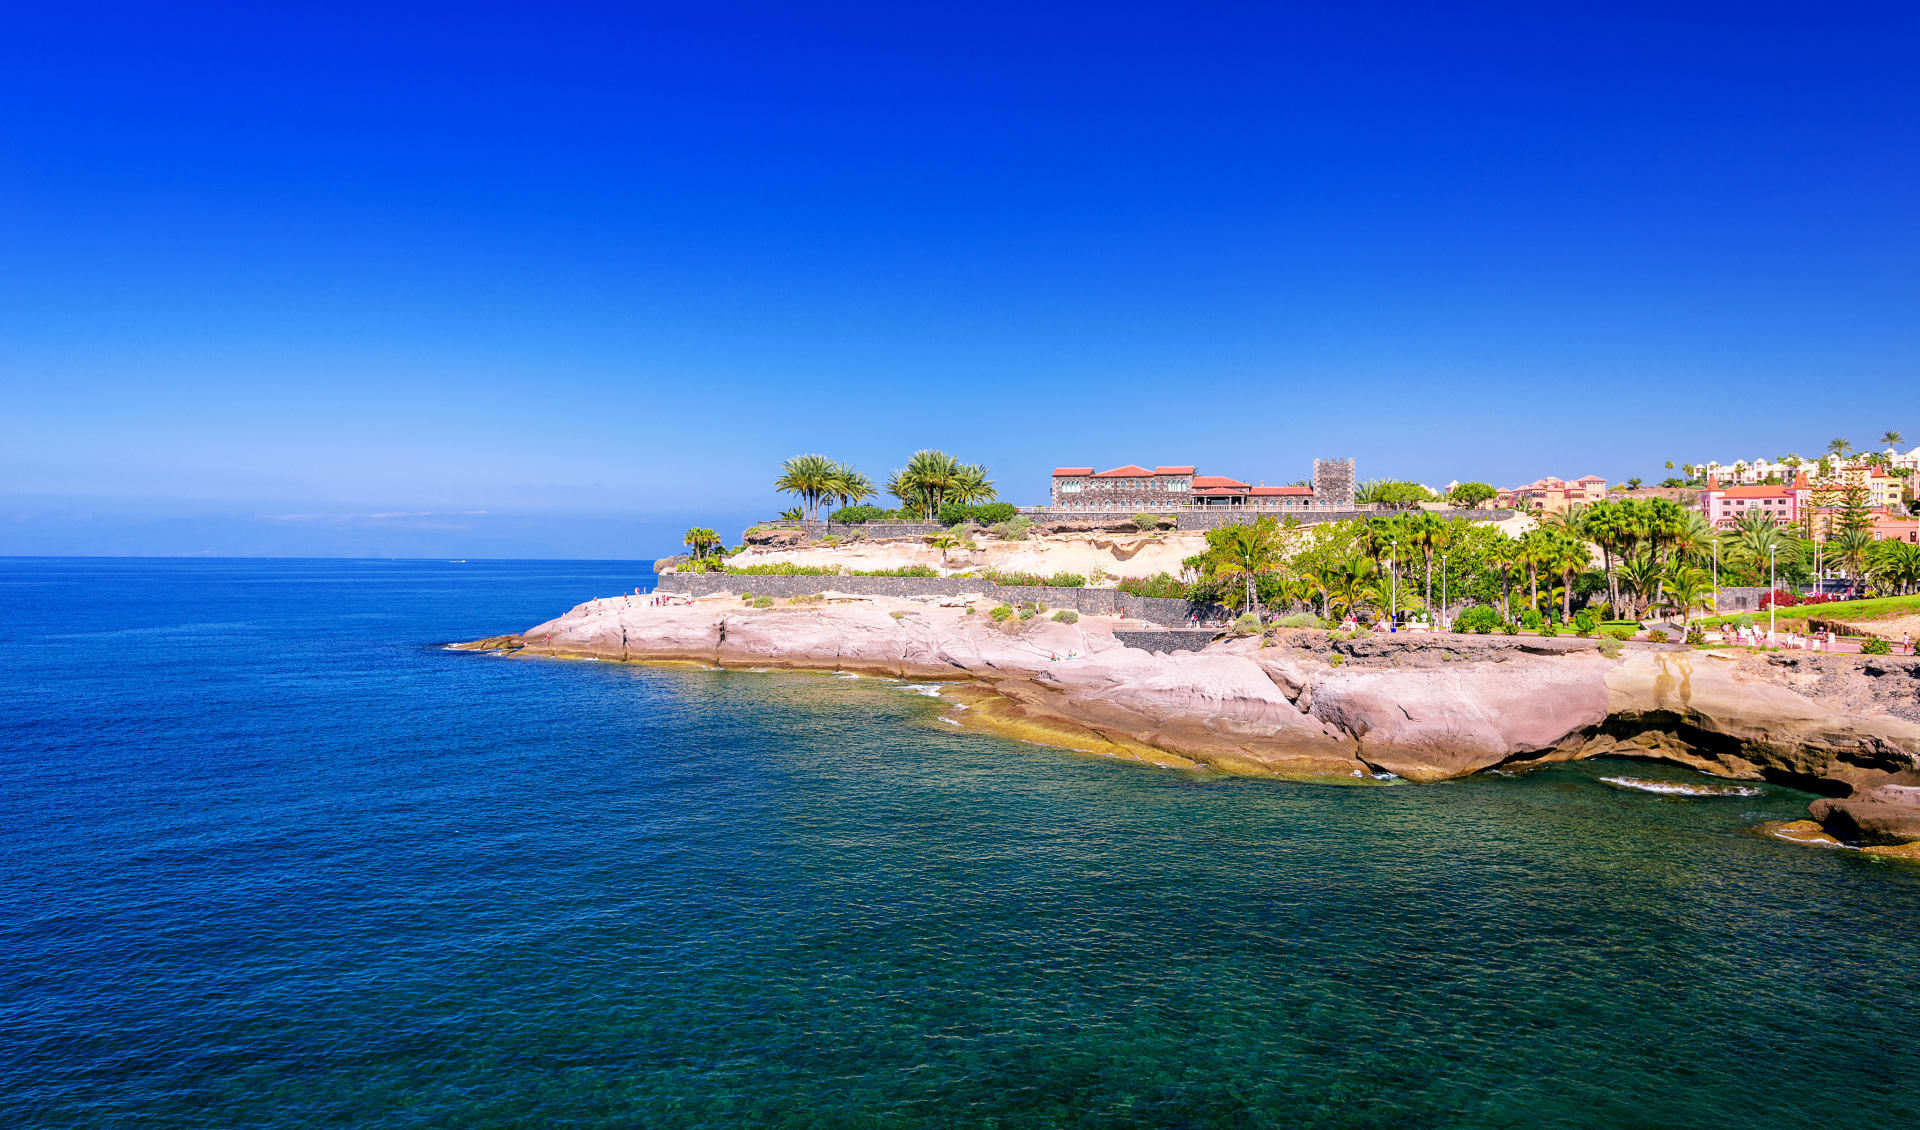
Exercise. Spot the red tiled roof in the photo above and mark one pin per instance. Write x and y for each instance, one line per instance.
(1127, 472)
(1282, 490)
(1200, 481)
(1058, 471)
(1590, 479)
(1173, 470)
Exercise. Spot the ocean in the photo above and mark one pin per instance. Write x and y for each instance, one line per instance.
(271, 856)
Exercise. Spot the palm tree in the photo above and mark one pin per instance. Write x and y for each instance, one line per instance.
(1244, 552)
(701, 541)
(1641, 573)
(1568, 555)
(1852, 548)
(1892, 438)
(931, 479)
(1608, 524)
(1426, 531)
(1754, 536)
(1897, 563)
(812, 477)
(1504, 554)
(1536, 555)
(850, 486)
(1839, 446)
(1348, 583)
(1688, 587)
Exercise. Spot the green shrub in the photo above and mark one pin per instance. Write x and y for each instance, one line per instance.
(1031, 608)
(807, 598)
(1160, 584)
(1013, 529)
(970, 609)
(1875, 647)
(856, 515)
(902, 571)
(1246, 624)
(1745, 621)
(1480, 619)
(1696, 636)
(898, 615)
(1584, 622)
(1002, 614)
(1017, 580)
(1145, 522)
(1621, 634)
(1610, 647)
(763, 602)
(1300, 620)
(1530, 619)
(987, 514)
(1336, 659)
(783, 569)
(1067, 581)
(1067, 616)
(1510, 627)
(1548, 628)
(1656, 635)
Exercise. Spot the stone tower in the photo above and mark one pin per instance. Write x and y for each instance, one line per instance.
(1333, 484)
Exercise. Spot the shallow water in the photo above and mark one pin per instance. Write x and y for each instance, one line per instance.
(272, 857)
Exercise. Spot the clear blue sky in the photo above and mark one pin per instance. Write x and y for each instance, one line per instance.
(509, 280)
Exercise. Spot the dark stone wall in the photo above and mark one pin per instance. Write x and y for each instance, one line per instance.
(1169, 611)
(1175, 640)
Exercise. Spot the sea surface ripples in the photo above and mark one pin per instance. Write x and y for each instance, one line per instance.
(273, 857)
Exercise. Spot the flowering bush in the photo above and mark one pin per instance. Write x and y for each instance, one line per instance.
(1818, 598)
(1779, 598)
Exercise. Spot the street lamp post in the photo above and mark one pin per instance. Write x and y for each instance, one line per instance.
(1393, 586)
(1444, 605)
(1773, 604)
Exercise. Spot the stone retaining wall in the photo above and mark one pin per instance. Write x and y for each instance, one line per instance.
(1175, 640)
(1170, 611)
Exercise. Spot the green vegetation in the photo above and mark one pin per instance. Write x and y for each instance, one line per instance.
(815, 479)
(1015, 528)
(1620, 633)
(1146, 522)
(1875, 646)
(1002, 614)
(1035, 580)
(932, 479)
(763, 602)
(1840, 611)
(1391, 492)
(1467, 496)
(1067, 616)
(702, 541)
(1481, 619)
(985, 514)
(1160, 584)
(1300, 620)
(1246, 624)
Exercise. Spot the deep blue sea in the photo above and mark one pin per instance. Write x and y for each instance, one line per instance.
(269, 856)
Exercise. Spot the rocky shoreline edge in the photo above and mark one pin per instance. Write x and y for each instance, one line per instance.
(1310, 705)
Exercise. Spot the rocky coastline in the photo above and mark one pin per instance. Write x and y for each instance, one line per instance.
(1305, 704)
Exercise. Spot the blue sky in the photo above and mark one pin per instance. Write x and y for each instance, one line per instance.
(491, 280)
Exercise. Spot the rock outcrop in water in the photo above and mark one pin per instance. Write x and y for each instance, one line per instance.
(1299, 704)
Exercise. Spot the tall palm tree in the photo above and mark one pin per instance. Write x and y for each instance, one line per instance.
(1243, 552)
(1426, 531)
(1568, 555)
(1348, 583)
(1892, 438)
(812, 477)
(701, 541)
(1851, 548)
(971, 485)
(1839, 446)
(850, 486)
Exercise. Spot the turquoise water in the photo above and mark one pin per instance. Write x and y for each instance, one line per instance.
(272, 858)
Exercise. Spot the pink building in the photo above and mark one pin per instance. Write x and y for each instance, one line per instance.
(1786, 505)
(1551, 495)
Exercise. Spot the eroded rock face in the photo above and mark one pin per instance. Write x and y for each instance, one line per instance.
(1425, 708)
(1432, 723)
(1889, 814)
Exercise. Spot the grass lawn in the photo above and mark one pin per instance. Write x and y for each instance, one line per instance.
(1880, 608)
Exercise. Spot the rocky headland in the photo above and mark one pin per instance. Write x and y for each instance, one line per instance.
(1305, 704)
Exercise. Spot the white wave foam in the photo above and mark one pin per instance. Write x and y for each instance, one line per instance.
(1677, 788)
(931, 690)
